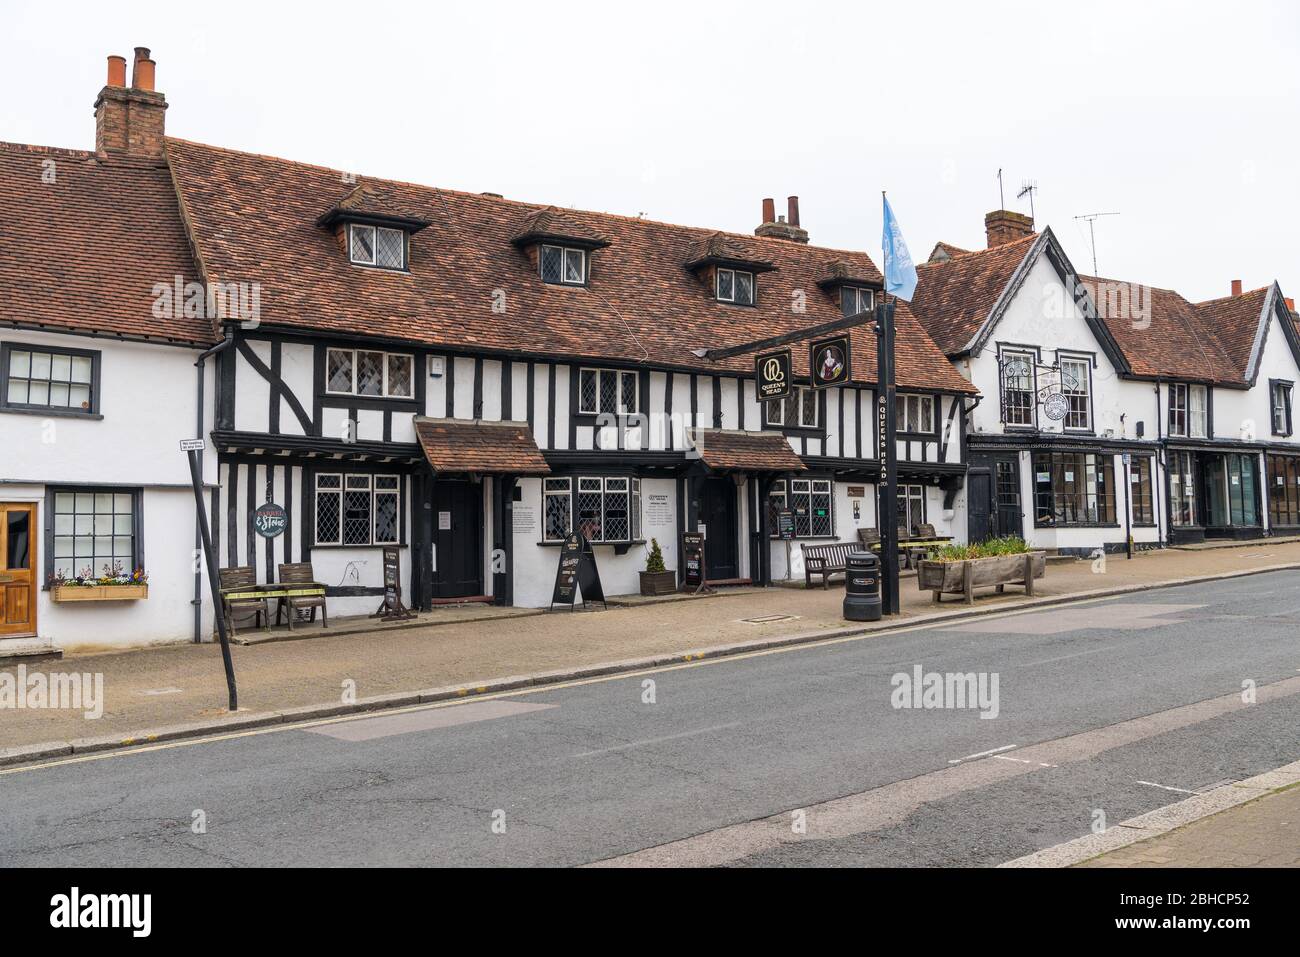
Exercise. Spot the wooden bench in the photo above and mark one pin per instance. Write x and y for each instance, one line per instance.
(826, 559)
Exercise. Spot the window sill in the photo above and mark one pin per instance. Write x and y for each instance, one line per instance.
(1078, 525)
(620, 548)
(334, 545)
(57, 413)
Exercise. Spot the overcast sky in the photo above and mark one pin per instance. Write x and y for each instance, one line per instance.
(1182, 117)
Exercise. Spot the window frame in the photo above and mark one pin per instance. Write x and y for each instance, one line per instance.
(573, 486)
(374, 262)
(732, 300)
(1145, 497)
(783, 490)
(374, 492)
(1180, 402)
(48, 535)
(1284, 510)
(565, 252)
(911, 493)
(1070, 394)
(798, 394)
(7, 347)
(385, 393)
(619, 375)
(1285, 388)
(1079, 498)
(858, 293)
(900, 428)
(1031, 356)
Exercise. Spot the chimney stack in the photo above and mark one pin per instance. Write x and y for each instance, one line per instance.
(778, 227)
(129, 120)
(1236, 287)
(1002, 226)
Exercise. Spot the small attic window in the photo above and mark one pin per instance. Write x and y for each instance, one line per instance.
(377, 246)
(735, 286)
(563, 265)
(856, 299)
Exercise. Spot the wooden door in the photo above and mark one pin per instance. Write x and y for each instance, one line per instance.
(17, 570)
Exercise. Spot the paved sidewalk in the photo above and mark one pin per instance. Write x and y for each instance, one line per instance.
(151, 688)
(1263, 833)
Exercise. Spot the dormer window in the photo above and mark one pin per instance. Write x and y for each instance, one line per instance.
(856, 299)
(378, 246)
(735, 286)
(563, 265)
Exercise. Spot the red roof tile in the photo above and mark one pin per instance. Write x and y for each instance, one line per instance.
(954, 296)
(484, 448)
(254, 220)
(84, 252)
(725, 450)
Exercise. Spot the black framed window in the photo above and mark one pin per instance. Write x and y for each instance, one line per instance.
(856, 299)
(735, 286)
(604, 508)
(914, 413)
(1019, 406)
(812, 502)
(378, 246)
(1280, 404)
(358, 509)
(911, 507)
(608, 392)
(1076, 387)
(365, 372)
(46, 379)
(563, 265)
(798, 410)
(1073, 488)
(1182, 488)
(1283, 489)
(93, 531)
(1142, 489)
(1188, 410)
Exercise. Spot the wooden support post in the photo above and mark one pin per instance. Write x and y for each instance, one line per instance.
(1029, 573)
(968, 581)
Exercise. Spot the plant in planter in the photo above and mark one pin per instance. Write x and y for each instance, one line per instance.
(656, 579)
(998, 562)
(114, 585)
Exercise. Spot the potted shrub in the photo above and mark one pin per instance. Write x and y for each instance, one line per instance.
(113, 585)
(960, 569)
(656, 580)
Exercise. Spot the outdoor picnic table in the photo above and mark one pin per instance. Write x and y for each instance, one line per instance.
(272, 591)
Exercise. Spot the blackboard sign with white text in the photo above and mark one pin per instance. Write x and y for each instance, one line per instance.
(577, 572)
(693, 567)
(391, 608)
(785, 525)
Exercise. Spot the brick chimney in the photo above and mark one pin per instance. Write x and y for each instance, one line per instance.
(1236, 287)
(779, 227)
(129, 120)
(1002, 226)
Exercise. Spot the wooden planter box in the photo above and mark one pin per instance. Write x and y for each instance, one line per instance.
(99, 592)
(962, 578)
(658, 583)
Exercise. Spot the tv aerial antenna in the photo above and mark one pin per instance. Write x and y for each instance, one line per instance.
(1028, 188)
(1092, 234)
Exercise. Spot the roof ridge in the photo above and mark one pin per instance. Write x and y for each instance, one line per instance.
(11, 147)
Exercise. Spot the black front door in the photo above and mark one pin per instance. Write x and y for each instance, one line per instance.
(993, 505)
(718, 515)
(457, 539)
(979, 504)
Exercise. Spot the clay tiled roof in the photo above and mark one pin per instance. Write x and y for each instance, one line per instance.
(254, 219)
(1235, 320)
(723, 450)
(485, 448)
(550, 223)
(954, 296)
(84, 250)
(944, 251)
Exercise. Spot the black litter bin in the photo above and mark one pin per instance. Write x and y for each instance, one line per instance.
(862, 587)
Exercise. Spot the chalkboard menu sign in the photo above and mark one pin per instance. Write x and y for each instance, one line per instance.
(577, 572)
(391, 608)
(693, 565)
(785, 525)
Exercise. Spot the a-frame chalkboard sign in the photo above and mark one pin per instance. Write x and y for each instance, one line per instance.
(391, 608)
(694, 563)
(577, 570)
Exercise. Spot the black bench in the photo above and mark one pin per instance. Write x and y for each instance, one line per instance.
(825, 559)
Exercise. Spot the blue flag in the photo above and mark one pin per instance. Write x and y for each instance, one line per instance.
(900, 271)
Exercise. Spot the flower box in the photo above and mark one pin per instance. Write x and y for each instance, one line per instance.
(99, 592)
(658, 583)
(963, 577)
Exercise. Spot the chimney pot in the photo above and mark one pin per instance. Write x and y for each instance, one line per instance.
(117, 71)
(142, 75)
(1236, 287)
(792, 207)
(769, 211)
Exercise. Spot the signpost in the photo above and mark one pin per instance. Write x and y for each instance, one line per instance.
(830, 362)
(887, 487)
(391, 608)
(774, 375)
(576, 571)
(192, 448)
(693, 563)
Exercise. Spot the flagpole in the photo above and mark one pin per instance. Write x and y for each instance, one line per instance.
(887, 431)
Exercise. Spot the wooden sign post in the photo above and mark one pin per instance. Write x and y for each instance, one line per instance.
(576, 572)
(391, 608)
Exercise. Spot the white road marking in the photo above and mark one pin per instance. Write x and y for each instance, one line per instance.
(984, 754)
(649, 741)
(1005, 757)
(158, 691)
(1165, 787)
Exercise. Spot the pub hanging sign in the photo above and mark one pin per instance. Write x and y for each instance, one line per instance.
(773, 372)
(829, 362)
(270, 520)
